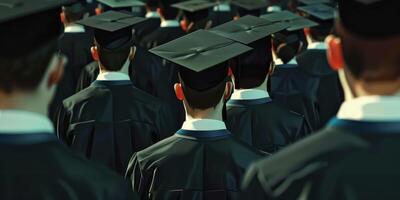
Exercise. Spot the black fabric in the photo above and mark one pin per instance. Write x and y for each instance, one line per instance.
(145, 28)
(268, 127)
(45, 169)
(161, 36)
(182, 167)
(108, 122)
(76, 46)
(221, 17)
(303, 169)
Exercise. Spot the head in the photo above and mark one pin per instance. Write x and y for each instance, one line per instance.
(365, 50)
(252, 69)
(287, 45)
(151, 5)
(320, 32)
(166, 11)
(201, 98)
(71, 14)
(112, 49)
(193, 21)
(29, 75)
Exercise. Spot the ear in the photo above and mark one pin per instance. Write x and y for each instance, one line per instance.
(62, 17)
(228, 90)
(334, 52)
(95, 53)
(56, 74)
(307, 31)
(184, 25)
(179, 92)
(98, 11)
(159, 11)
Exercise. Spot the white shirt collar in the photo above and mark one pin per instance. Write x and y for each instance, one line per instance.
(203, 125)
(75, 28)
(249, 94)
(278, 61)
(317, 45)
(112, 76)
(23, 122)
(371, 108)
(275, 8)
(152, 15)
(223, 7)
(170, 23)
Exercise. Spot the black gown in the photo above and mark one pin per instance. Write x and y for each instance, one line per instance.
(264, 124)
(161, 36)
(76, 46)
(192, 165)
(330, 92)
(110, 120)
(36, 166)
(302, 169)
(297, 90)
(145, 28)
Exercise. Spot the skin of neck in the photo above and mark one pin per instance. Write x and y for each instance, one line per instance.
(125, 67)
(214, 113)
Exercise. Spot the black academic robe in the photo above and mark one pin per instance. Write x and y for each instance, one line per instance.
(221, 17)
(265, 124)
(298, 91)
(161, 36)
(192, 165)
(36, 166)
(145, 28)
(301, 170)
(144, 71)
(76, 47)
(330, 92)
(110, 120)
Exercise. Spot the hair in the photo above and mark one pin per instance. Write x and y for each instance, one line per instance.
(209, 97)
(286, 45)
(168, 12)
(152, 4)
(251, 69)
(73, 15)
(320, 32)
(113, 60)
(243, 12)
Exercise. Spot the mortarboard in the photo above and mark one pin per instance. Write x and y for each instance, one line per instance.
(112, 29)
(199, 56)
(74, 8)
(295, 22)
(194, 5)
(310, 2)
(370, 18)
(319, 11)
(19, 22)
(250, 4)
(249, 29)
(117, 4)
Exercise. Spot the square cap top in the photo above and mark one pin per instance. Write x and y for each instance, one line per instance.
(200, 50)
(295, 22)
(194, 5)
(121, 3)
(250, 4)
(320, 11)
(13, 9)
(310, 2)
(111, 21)
(249, 29)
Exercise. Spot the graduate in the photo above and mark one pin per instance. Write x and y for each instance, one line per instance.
(75, 43)
(252, 115)
(111, 119)
(151, 24)
(249, 7)
(355, 156)
(195, 14)
(202, 160)
(34, 164)
(289, 84)
(313, 61)
(169, 29)
(222, 12)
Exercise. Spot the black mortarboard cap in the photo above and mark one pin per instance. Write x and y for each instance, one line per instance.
(121, 3)
(200, 55)
(74, 8)
(248, 29)
(370, 18)
(19, 22)
(112, 29)
(295, 22)
(250, 4)
(310, 2)
(319, 11)
(194, 5)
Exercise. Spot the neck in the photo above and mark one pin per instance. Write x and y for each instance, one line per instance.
(124, 69)
(210, 113)
(31, 102)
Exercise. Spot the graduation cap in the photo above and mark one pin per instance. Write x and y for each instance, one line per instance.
(310, 2)
(370, 18)
(112, 29)
(200, 55)
(250, 7)
(119, 4)
(319, 11)
(74, 8)
(19, 22)
(249, 29)
(295, 22)
(194, 5)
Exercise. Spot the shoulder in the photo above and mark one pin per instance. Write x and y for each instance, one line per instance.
(80, 97)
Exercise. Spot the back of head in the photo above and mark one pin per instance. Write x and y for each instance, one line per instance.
(152, 4)
(286, 45)
(26, 50)
(370, 44)
(252, 68)
(73, 12)
(167, 11)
